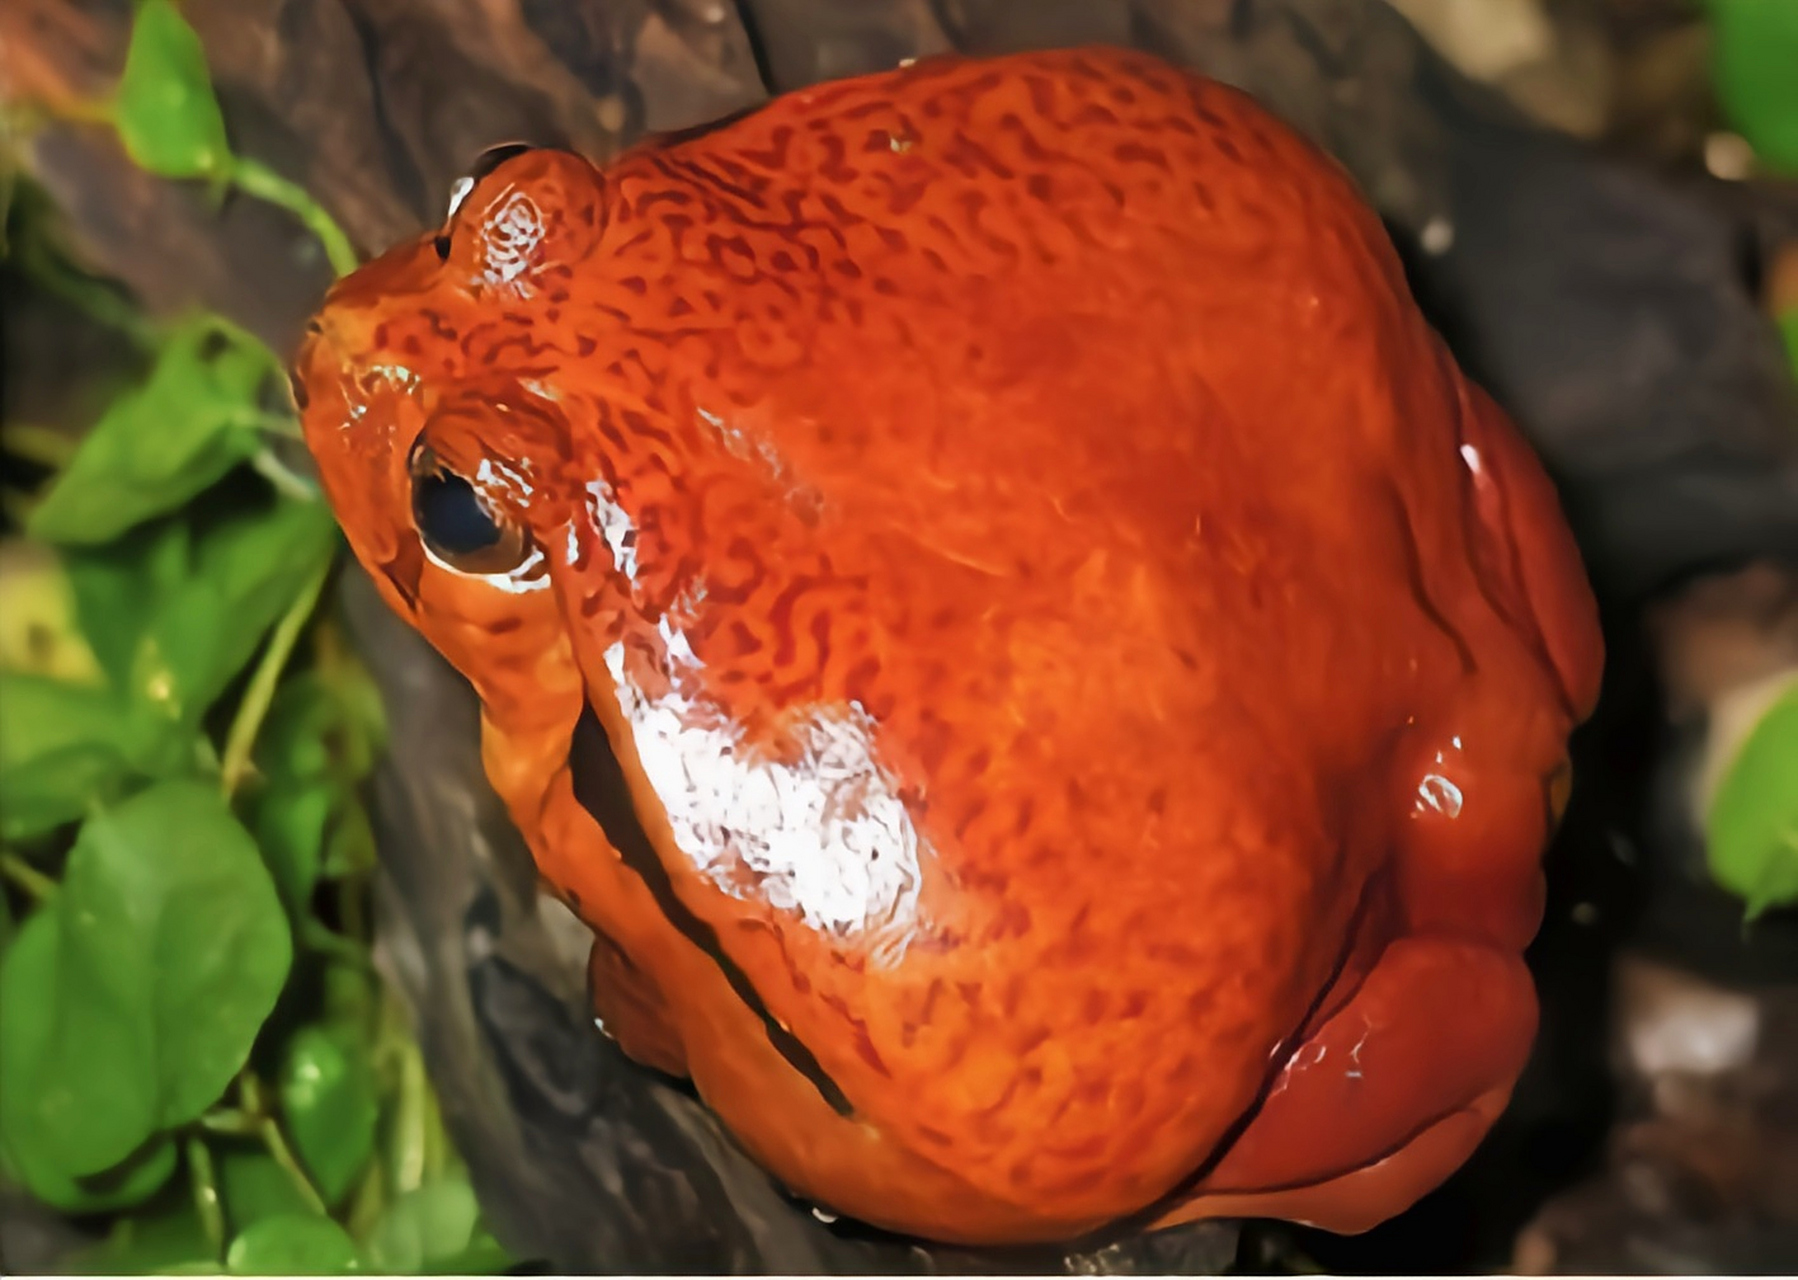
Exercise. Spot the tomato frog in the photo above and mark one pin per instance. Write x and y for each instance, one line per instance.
(1048, 685)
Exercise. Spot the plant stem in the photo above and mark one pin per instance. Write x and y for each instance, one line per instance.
(204, 1177)
(250, 1095)
(284, 425)
(276, 472)
(240, 739)
(315, 935)
(45, 446)
(276, 1142)
(37, 886)
(408, 1162)
(436, 1155)
(259, 180)
(231, 1122)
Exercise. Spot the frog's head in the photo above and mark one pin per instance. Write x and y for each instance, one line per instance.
(431, 392)
(527, 447)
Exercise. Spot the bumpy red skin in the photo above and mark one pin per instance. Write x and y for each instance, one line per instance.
(1070, 415)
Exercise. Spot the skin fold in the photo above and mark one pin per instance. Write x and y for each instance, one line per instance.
(1048, 685)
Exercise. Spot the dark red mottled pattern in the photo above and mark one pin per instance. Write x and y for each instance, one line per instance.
(1068, 414)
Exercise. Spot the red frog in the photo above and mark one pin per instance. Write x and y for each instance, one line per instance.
(1047, 684)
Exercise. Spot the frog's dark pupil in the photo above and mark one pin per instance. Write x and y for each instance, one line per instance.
(450, 515)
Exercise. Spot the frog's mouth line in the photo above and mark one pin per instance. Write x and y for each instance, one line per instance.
(601, 788)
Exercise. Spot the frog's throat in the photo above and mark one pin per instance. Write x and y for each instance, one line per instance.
(601, 788)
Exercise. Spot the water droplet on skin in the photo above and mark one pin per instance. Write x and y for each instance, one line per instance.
(1438, 795)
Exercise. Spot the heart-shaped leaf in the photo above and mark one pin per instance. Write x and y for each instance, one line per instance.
(1752, 828)
(166, 113)
(195, 417)
(144, 983)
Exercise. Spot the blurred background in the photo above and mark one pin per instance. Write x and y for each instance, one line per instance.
(277, 989)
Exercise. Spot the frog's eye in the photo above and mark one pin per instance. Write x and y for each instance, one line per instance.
(485, 163)
(519, 210)
(457, 525)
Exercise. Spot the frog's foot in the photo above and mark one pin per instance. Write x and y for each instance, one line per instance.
(1386, 1098)
(631, 1010)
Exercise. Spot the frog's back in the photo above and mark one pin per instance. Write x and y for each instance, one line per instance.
(1013, 379)
(1101, 338)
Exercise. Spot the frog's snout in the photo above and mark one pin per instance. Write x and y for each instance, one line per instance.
(322, 376)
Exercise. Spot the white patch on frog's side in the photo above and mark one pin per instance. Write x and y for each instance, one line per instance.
(512, 234)
(615, 525)
(823, 835)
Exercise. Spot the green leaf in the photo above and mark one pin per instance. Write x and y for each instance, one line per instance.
(289, 822)
(481, 1256)
(117, 587)
(170, 882)
(424, 1228)
(31, 1020)
(245, 574)
(157, 963)
(1752, 828)
(350, 847)
(293, 1244)
(124, 1186)
(1788, 329)
(166, 113)
(1755, 48)
(315, 747)
(166, 1235)
(330, 1099)
(176, 617)
(347, 991)
(197, 416)
(62, 748)
(292, 809)
(253, 1186)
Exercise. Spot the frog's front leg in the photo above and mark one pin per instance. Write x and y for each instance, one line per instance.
(630, 1009)
(1387, 1097)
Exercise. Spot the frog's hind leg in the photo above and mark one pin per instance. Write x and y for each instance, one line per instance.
(631, 1010)
(1386, 1098)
